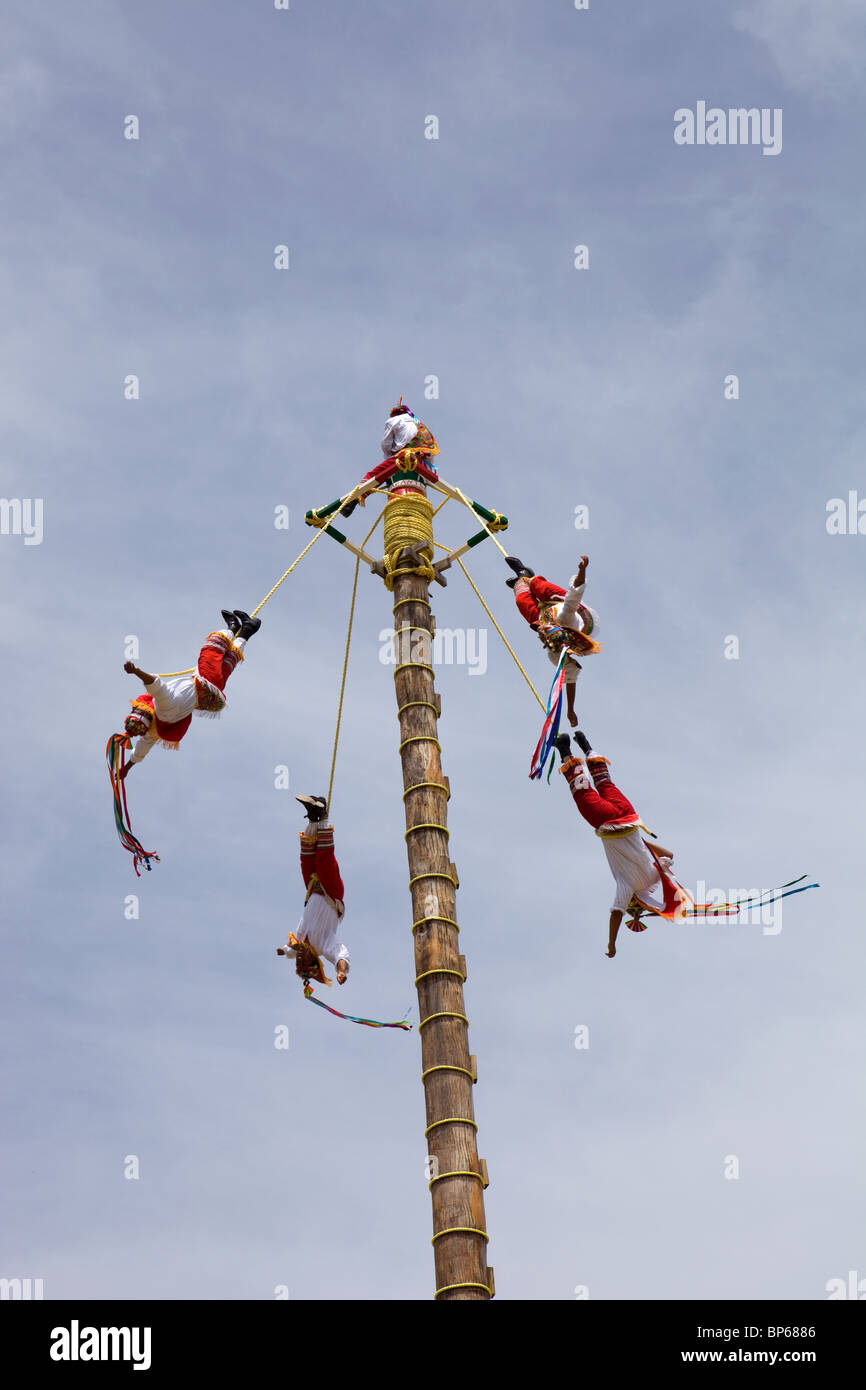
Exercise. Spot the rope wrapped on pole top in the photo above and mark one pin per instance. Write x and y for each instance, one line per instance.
(408, 526)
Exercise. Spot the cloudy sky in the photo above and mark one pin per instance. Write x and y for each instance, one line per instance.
(558, 388)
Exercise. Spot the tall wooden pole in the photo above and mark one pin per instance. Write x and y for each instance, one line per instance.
(457, 1176)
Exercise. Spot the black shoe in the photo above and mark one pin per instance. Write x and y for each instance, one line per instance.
(316, 807)
(519, 568)
(511, 582)
(349, 508)
(231, 621)
(562, 744)
(582, 741)
(248, 625)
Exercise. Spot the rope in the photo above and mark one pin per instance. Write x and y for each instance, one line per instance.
(465, 500)
(343, 682)
(449, 922)
(443, 1066)
(455, 1230)
(458, 1173)
(418, 878)
(418, 785)
(470, 1284)
(167, 675)
(322, 526)
(288, 572)
(427, 825)
(346, 657)
(425, 601)
(501, 633)
(451, 1120)
(408, 522)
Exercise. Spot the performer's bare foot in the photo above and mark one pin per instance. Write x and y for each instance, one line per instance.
(342, 972)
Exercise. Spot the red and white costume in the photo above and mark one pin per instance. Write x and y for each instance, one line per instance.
(408, 446)
(561, 619)
(643, 878)
(400, 430)
(323, 906)
(174, 701)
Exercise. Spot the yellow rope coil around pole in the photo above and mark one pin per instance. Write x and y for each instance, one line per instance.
(408, 521)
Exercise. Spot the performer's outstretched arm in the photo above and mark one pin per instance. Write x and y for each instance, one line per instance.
(615, 923)
(134, 670)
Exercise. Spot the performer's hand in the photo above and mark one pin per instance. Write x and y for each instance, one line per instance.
(124, 771)
(611, 951)
(584, 561)
(129, 666)
(572, 719)
(342, 972)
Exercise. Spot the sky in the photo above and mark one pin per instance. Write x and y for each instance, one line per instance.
(708, 1141)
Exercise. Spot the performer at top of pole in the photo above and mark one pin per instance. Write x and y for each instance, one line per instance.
(408, 446)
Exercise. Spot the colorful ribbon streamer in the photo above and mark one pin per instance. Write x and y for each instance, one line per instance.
(350, 1018)
(550, 728)
(735, 905)
(115, 755)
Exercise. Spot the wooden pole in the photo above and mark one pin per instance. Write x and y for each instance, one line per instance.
(457, 1176)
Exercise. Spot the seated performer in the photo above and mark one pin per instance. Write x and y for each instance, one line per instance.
(559, 617)
(641, 869)
(165, 713)
(408, 446)
(323, 906)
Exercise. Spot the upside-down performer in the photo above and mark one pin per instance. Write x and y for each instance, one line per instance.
(164, 713)
(316, 934)
(316, 937)
(562, 621)
(408, 446)
(641, 869)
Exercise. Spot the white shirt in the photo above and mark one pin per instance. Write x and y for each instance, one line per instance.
(319, 926)
(173, 700)
(399, 431)
(634, 870)
(566, 615)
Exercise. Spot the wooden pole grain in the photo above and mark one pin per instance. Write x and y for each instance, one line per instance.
(457, 1176)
